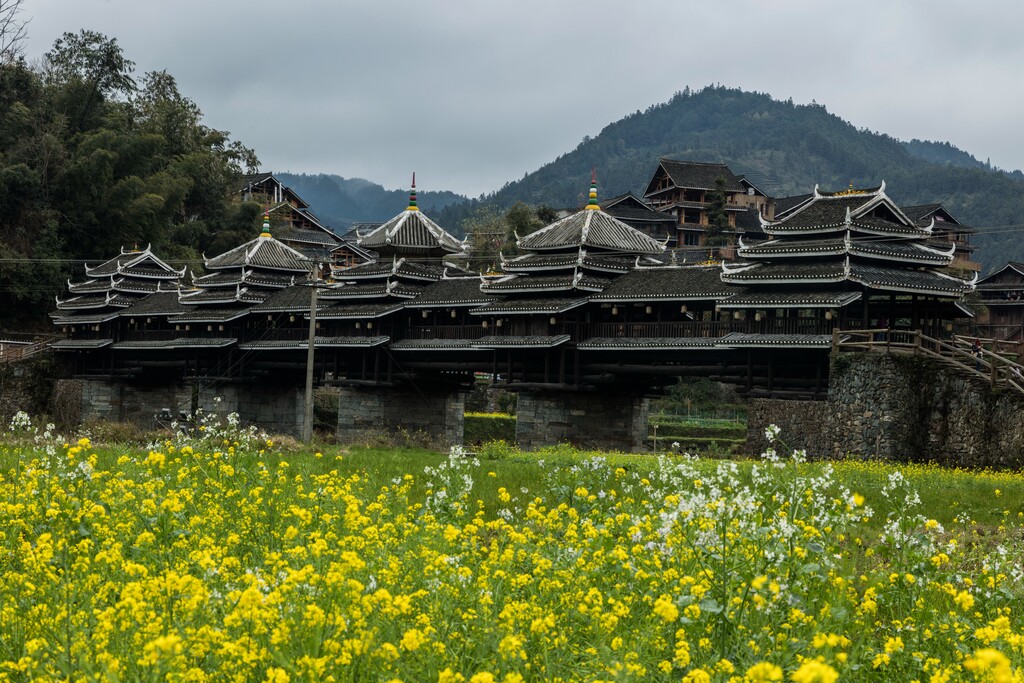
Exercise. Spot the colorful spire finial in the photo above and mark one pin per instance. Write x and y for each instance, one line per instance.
(592, 203)
(412, 194)
(266, 224)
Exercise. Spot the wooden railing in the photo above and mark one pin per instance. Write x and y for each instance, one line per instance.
(992, 360)
(449, 332)
(17, 352)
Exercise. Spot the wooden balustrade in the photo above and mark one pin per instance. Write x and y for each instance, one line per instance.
(995, 361)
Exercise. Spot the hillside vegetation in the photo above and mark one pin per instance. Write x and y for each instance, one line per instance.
(94, 158)
(790, 148)
(785, 147)
(340, 202)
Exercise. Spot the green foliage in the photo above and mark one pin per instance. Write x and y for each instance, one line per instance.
(498, 450)
(693, 394)
(715, 235)
(90, 162)
(492, 233)
(793, 147)
(484, 427)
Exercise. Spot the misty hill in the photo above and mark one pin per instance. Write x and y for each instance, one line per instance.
(340, 202)
(787, 149)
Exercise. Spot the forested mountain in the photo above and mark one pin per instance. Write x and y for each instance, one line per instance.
(92, 159)
(789, 148)
(340, 202)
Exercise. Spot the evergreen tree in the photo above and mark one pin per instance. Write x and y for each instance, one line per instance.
(717, 232)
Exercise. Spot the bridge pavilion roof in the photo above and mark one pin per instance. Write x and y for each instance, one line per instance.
(115, 285)
(412, 234)
(852, 240)
(579, 254)
(248, 274)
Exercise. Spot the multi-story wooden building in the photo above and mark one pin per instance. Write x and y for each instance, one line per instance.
(947, 230)
(1002, 299)
(295, 224)
(684, 190)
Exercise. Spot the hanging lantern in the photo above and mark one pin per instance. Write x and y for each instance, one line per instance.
(682, 309)
(359, 325)
(828, 315)
(209, 328)
(425, 312)
(647, 310)
(552, 320)
(484, 324)
(615, 310)
(757, 316)
(291, 318)
(453, 313)
(498, 323)
(369, 325)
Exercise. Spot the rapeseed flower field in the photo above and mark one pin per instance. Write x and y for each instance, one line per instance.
(217, 557)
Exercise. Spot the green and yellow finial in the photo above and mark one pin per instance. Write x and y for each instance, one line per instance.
(592, 203)
(412, 194)
(266, 224)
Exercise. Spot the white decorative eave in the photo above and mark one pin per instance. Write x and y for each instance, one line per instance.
(966, 283)
(817, 194)
(938, 252)
(727, 270)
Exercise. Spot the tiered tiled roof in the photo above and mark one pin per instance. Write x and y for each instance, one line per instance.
(249, 273)
(594, 230)
(411, 233)
(116, 285)
(679, 283)
(844, 239)
(576, 255)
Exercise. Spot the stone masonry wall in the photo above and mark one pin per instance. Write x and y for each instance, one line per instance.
(900, 408)
(278, 410)
(370, 412)
(584, 420)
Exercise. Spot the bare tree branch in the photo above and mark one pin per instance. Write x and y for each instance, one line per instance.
(13, 31)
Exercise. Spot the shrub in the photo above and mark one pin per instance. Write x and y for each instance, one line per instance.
(483, 427)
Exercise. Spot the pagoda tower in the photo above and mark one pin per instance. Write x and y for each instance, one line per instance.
(849, 259)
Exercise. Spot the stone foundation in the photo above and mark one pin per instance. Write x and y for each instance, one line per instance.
(370, 412)
(584, 420)
(277, 410)
(900, 408)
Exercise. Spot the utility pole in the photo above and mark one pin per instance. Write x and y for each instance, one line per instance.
(307, 417)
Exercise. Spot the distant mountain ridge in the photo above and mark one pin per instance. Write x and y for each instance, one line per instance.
(339, 202)
(785, 148)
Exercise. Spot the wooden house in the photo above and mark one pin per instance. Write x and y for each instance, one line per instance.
(684, 190)
(1002, 298)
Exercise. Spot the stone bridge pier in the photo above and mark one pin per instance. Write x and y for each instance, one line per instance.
(275, 409)
(365, 412)
(586, 420)
(901, 408)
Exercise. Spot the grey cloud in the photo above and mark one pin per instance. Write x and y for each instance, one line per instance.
(472, 94)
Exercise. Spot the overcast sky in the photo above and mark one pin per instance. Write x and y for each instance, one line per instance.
(473, 93)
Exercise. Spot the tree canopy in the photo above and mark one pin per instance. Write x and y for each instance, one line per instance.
(93, 158)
